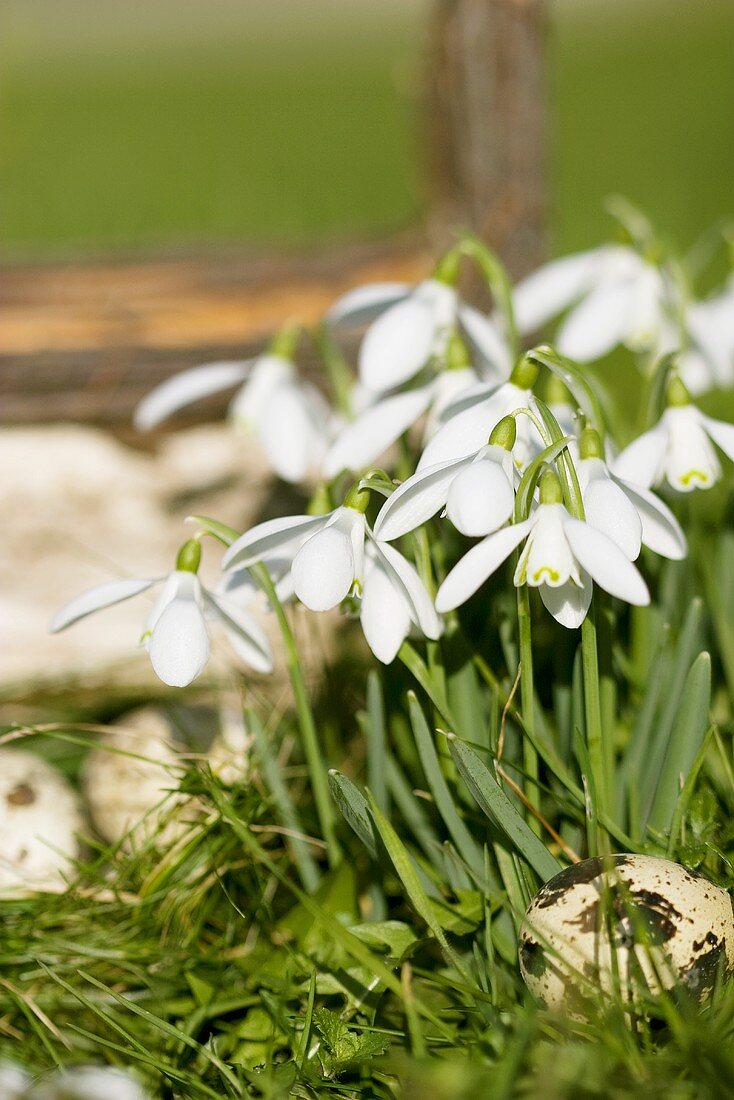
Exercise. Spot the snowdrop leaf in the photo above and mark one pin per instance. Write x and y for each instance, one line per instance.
(94, 599)
(493, 801)
(187, 387)
(462, 838)
(686, 737)
(354, 809)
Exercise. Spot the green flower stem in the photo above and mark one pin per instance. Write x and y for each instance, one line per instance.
(527, 700)
(316, 766)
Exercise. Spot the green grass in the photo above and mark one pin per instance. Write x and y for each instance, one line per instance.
(159, 127)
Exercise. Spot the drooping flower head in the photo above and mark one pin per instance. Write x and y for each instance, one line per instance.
(336, 556)
(680, 449)
(176, 631)
(561, 557)
(290, 418)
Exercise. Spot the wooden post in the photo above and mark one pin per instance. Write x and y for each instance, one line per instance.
(487, 123)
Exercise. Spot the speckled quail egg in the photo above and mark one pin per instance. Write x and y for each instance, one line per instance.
(40, 819)
(623, 926)
(128, 779)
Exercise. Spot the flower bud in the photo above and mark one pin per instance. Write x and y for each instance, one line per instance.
(504, 434)
(550, 488)
(590, 444)
(447, 268)
(357, 498)
(524, 374)
(677, 394)
(284, 342)
(189, 557)
(457, 353)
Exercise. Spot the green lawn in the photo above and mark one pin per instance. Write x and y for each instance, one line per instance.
(132, 126)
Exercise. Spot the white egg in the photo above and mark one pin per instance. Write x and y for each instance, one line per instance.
(89, 1083)
(40, 819)
(622, 926)
(131, 779)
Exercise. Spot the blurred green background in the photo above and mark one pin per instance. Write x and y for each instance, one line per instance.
(147, 124)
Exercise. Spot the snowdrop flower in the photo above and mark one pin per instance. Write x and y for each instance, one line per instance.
(679, 449)
(290, 417)
(629, 514)
(176, 632)
(478, 491)
(90, 1083)
(561, 557)
(335, 556)
(469, 421)
(709, 360)
(385, 419)
(413, 326)
(616, 296)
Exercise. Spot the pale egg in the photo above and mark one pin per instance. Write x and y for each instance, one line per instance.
(622, 926)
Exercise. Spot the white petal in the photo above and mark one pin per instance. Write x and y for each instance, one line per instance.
(691, 461)
(478, 564)
(721, 433)
(383, 614)
(610, 510)
(481, 498)
(362, 304)
(599, 323)
(661, 531)
(323, 569)
(249, 403)
(94, 599)
(275, 538)
(569, 603)
(469, 430)
(189, 385)
(397, 345)
(641, 462)
(367, 437)
(417, 499)
(605, 562)
(487, 340)
(546, 559)
(245, 635)
(554, 287)
(292, 431)
(406, 581)
(179, 643)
